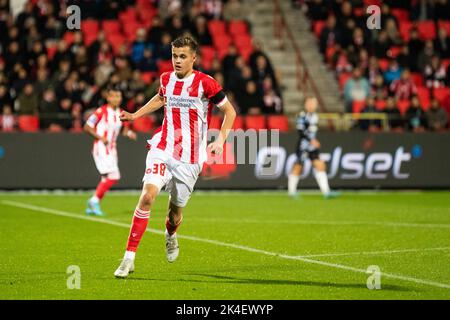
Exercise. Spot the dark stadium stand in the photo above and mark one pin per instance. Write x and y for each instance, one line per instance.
(123, 42)
(414, 36)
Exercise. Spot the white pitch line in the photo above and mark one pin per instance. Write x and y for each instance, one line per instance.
(334, 223)
(224, 244)
(373, 252)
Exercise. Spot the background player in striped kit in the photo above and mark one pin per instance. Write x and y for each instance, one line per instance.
(178, 150)
(105, 125)
(309, 146)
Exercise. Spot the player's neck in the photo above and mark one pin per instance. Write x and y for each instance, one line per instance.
(186, 75)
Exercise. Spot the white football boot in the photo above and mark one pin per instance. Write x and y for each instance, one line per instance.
(126, 267)
(172, 248)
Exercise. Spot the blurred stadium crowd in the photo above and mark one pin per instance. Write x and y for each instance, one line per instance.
(51, 78)
(401, 69)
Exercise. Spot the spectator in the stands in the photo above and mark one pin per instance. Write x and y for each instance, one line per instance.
(156, 31)
(403, 88)
(415, 48)
(381, 45)
(228, 62)
(395, 118)
(200, 32)
(356, 89)
(379, 89)
(415, 116)
(435, 73)
(393, 72)
(233, 10)
(165, 49)
(342, 62)
(404, 59)
(373, 70)
(138, 46)
(426, 55)
(212, 9)
(251, 102)
(441, 9)
(329, 35)
(436, 116)
(262, 71)
(148, 64)
(48, 108)
(422, 10)
(392, 32)
(442, 43)
(7, 119)
(272, 102)
(386, 15)
(27, 101)
(5, 97)
(372, 125)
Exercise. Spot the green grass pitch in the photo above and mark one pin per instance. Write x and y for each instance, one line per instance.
(246, 245)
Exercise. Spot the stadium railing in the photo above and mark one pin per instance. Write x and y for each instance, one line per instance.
(305, 82)
(347, 121)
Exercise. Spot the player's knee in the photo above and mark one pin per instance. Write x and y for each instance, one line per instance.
(147, 199)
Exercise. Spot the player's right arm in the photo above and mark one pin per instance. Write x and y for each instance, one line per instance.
(154, 104)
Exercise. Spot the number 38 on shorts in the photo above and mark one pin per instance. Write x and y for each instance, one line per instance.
(158, 168)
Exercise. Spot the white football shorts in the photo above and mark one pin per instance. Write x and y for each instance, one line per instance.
(178, 177)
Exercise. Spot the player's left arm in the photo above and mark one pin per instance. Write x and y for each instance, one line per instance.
(230, 114)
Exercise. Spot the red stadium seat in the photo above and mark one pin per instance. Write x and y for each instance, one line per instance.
(358, 106)
(215, 122)
(358, 12)
(243, 40)
(237, 27)
(427, 30)
(89, 26)
(116, 40)
(417, 78)
(256, 122)
(400, 14)
(403, 106)
(164, 66)
(143, 124)
(380, 104)
(51, 50)
(208, 53)
(317, 27)
(445, 63)
(442, 94)
(148, 77)
(343, 78)
(279, 122)
(68, 37)
(216, 27)
(29, 123)
(372, 2)
(424, 97)
(444, 24)
(405, 26)
(394, 51)
(128, 16)
(222, 41)
(238, 123)
(245, 53)
(383, 64)
(111, 26)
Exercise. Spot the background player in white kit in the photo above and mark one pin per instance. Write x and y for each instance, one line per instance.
(105, 125)
(309, 147)
(177, 151)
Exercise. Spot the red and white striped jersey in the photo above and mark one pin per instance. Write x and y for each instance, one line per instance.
(187, 112)
(106, 122)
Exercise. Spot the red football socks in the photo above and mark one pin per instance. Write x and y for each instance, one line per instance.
(138, 227)
(171, 229)
(103, 186)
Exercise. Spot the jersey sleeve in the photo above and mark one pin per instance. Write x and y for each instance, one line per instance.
(214, 91)
(162, 83)
(95, 118)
